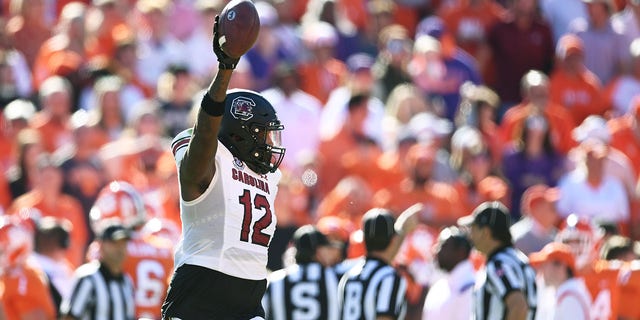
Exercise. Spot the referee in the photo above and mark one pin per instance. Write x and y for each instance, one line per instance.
(307, 289)
(101, 289)
(507, 287)
(373, 289)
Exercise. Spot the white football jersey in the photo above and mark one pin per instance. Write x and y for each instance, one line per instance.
(229, 227)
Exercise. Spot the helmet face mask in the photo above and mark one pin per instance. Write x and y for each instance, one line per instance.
(251, 130)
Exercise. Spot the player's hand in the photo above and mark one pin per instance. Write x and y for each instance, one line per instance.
(409, 219)
(225, 62)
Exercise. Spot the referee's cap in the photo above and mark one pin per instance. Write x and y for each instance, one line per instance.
(306, 240)
(378, 228)
(115, 231)
(492, 214)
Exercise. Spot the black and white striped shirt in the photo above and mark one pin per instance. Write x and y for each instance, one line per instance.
(506, 270)
(302, 291)
(372, 288)
(99, 295)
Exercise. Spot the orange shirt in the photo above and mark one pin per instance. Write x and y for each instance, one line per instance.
(490, 188)
(579, 94)
(26, 291)
(65, 207)
(470, 24)
(442, 201)
(149, 263)
(602, 281)
(341, 155)
(319, 80)
(54, 134)
(389, 170)
(54, 59)
(629, 279)
(560, 124)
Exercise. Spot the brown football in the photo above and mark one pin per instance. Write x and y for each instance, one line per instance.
(238, 27)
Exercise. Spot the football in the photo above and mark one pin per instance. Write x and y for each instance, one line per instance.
(238, 27)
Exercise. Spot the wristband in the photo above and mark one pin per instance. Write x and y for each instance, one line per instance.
(212, 108)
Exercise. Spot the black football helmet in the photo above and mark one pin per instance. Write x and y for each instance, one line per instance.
(250, 129)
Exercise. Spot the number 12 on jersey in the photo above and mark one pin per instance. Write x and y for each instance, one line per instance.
(259, 202)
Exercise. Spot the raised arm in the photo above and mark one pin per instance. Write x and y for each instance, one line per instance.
(198, 165)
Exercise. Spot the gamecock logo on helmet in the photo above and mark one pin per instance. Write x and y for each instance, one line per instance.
(242, 108)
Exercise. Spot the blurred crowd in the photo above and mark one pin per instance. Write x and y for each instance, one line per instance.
(533, 103)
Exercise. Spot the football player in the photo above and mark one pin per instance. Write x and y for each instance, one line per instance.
(149, 260)
(24, 288)
(228, 175)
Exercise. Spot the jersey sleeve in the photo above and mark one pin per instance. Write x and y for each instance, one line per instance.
(179, 145)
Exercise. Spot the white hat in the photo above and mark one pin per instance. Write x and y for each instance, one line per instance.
(592, 127)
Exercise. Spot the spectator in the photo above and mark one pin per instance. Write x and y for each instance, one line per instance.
(107, 109)
(535, 102)
(25, 291)
(175, 91)
(556, 264)
(22, 175)
(519, 43)
(267, 51)
(15, 118)
(348, 200)
(20, 70)
(439, 71)
(452, 296)
(7, 79)
(572, 85)
(627, 19)
(403, 103)
(531, 160)
(157, 48)
(101, 288)
(617, 163)
(620, 92)
(50, 245)
(605, 48)
(81, 167)
(540, 217)
(477, 180)
(390, 69)
(320, 72)
(27, 28)
(442, 201)
(105, 20)
(299, 113)
(560, 14)
(508, 287)
(352, 145)
(478, 109)
(198, 42)
(372, 288)
(590, 191)
(469, 23)
(64, 53)
(307, 288)
(47, 197)
(53, 119)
